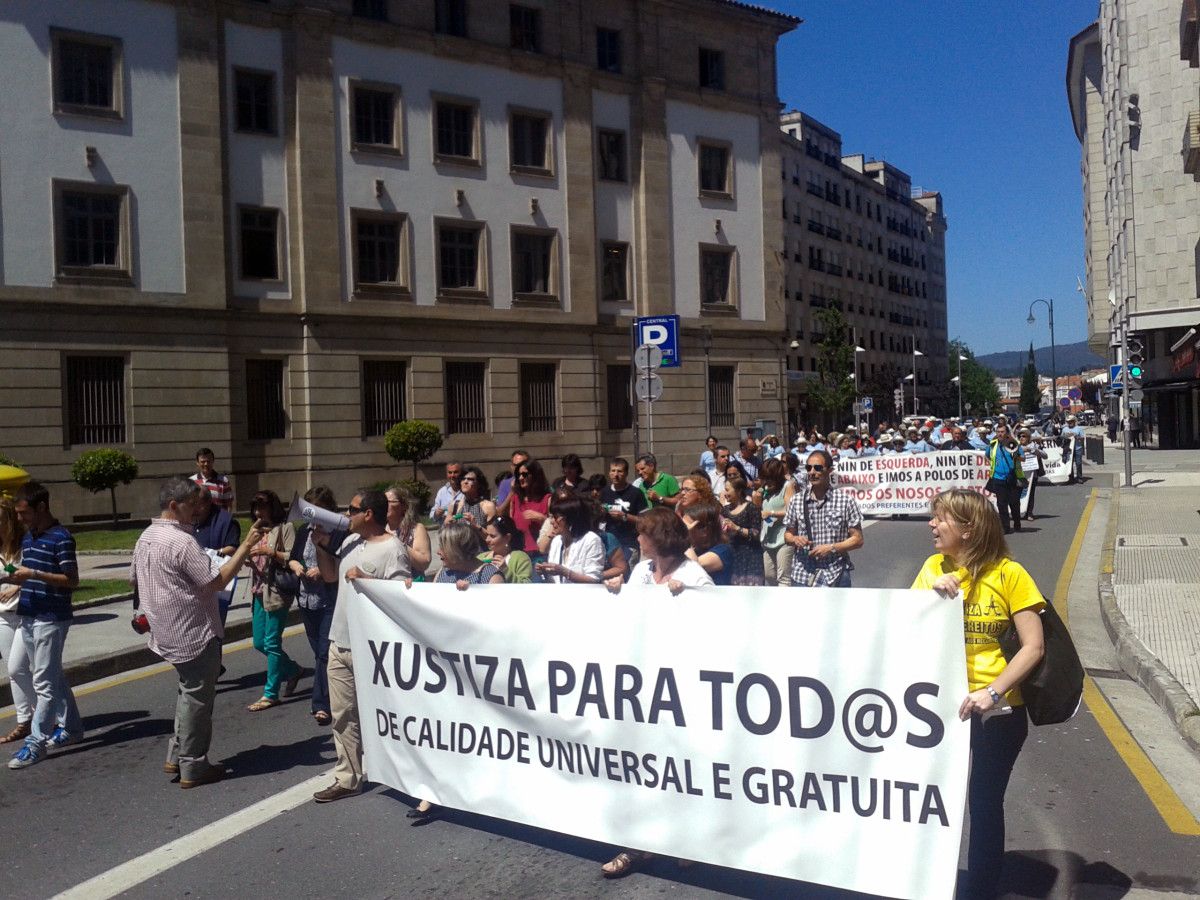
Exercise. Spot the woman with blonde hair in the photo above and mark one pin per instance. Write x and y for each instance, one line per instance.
(403, 523)
(972, 558)
(694, 489)
(12, 647)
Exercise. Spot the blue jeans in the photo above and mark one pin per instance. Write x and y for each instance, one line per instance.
(44, 638)
(316, 626)
(268, 640)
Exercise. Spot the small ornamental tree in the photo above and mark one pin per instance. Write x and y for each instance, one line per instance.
(1031, 393)
(412, 441)
(103, 470)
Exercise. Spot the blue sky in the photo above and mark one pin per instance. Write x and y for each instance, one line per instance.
(968, 99)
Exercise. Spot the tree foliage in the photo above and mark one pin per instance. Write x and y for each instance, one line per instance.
(979, 392)
(833, 390)
(102, 470)
(412, 441)
(1031, 394)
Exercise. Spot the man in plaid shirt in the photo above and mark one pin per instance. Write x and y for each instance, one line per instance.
(208, 477)
(824, 524)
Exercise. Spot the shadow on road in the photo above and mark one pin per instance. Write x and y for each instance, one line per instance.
(269, 758)
(122, 727)
(1058, 873)
(86, 618)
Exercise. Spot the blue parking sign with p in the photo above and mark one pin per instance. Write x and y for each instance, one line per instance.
(662, 331)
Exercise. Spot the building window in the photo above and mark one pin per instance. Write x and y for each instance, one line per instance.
(375, 117)
(92, 232)
(456, 131)
(608, 50)
(258, 239)
(715, 174)
(371, 9)
(534, 271)
(614, 272)
(450, 17)
(385, 388)
(712, 69)
(538, 388)
(95, 400)
(525, 28)
(466, 409)
(86, 74)
(720, 397)
(266, 418)
(717, 277)
(254, 101)
(620, 408)
(461, 264)
(610, 155)
(380, 253)
(530, 142)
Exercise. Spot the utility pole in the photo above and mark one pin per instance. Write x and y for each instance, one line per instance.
(1125, 386)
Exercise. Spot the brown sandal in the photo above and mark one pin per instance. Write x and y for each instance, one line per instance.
(624, 863)
(262, 703)
(17, 734)
(323, 718)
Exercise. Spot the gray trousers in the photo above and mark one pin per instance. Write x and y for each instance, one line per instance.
(188, 747)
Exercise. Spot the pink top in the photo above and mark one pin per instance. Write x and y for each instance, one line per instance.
(528, 528)
(174, 580)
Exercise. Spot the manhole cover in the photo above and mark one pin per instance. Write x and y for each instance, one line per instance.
(1152, 540)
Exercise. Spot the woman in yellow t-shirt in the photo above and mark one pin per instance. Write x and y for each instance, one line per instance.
(972, 562)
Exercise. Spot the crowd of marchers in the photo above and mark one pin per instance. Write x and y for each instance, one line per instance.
(758, 515)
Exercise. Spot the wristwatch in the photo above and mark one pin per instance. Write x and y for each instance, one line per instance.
(995, 697)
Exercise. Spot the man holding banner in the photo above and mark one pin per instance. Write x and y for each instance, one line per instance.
(370, 552)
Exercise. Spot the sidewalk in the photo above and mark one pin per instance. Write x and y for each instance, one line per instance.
(1150, 577)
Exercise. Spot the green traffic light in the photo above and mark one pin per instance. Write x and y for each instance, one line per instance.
(1135, 371)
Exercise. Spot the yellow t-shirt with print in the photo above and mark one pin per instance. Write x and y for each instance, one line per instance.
(988, 607)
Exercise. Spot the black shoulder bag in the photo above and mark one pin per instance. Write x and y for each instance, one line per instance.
(1052, 691)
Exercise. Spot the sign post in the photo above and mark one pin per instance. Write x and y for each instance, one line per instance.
(647, 358)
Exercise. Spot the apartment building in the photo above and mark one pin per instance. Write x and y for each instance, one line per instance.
(276, 227)
(1133, 87)
(860, 239)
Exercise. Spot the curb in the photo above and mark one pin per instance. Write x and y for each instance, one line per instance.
(102, 665)
(1135, 657)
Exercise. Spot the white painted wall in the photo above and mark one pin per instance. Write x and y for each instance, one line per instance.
(425, 192)
(141, 151)
(257, 170)
(614, 201)
(693, 217)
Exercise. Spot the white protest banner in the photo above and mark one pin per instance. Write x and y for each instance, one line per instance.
(805, 734)
(905, 482)
(1057, 464)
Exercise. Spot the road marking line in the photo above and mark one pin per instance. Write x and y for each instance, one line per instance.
(154, 669)
(1177, 817)
(142, 868)
(1174, 813)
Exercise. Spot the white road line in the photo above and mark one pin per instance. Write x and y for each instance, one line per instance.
(142, 868)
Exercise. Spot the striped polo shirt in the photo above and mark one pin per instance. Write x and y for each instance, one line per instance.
(53, 552)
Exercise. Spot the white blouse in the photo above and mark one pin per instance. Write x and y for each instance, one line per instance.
(690, 574)
(584, 555)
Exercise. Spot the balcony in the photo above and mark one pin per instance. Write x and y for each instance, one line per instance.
(835, 233)
(833, 269)
(815, 189)
(816, 227)
(1191, 146)
(816, 265)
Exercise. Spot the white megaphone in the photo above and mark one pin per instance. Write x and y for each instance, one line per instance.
(310, 514)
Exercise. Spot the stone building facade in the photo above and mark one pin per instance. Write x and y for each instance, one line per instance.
(275, 227)
(859, 239)
(1130, 98)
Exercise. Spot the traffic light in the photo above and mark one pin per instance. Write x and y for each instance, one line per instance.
(1136, 360)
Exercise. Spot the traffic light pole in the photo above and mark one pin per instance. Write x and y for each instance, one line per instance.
(1125, 388)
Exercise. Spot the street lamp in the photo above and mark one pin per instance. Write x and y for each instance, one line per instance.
(1053, 366)
(916, 353)
(857, 391)
(961, 359)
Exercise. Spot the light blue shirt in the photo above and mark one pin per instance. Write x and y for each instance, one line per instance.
(917, 446)
(708, 461)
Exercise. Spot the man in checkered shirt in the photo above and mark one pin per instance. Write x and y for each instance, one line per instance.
(176, 584)
(824, 524)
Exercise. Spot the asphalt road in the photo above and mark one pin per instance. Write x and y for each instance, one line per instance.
(1077, 816)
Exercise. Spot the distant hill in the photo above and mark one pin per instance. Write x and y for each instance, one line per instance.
(1069, 359)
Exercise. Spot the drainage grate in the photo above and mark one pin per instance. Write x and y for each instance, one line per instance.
(1152, 540)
